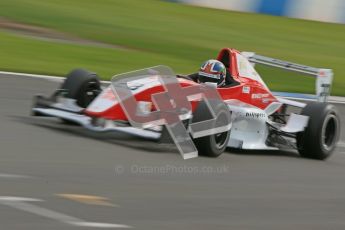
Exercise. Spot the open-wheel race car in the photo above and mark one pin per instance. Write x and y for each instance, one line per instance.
(260, 120)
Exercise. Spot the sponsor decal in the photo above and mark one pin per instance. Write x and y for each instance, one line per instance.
(255, 115)
(322, 73)
(265, 100)
(246, 89)
(248, 114)
(259, 95)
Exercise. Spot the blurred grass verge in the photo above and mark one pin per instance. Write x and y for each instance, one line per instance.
(152, 32)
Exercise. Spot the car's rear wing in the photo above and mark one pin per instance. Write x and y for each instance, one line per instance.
(324, 77)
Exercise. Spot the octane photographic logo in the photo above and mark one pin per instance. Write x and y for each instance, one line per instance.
(173, 108)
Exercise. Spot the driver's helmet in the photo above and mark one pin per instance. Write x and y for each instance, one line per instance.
(212, 71)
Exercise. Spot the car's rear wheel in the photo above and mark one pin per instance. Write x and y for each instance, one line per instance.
(320, 137)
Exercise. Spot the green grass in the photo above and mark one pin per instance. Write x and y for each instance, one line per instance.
(159, 32)
(36, 56)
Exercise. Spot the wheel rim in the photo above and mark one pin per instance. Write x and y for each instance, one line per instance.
(89, 93)
(220, 139)
(329, 132)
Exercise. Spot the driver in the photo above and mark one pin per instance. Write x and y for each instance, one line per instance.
(211, 71)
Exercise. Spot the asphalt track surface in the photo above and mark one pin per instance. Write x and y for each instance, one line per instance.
(149, 185)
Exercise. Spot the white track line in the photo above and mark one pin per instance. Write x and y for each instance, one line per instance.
(307, 99)
(20, 203)
(98, 225)
(39, 76)
(46, 77)
(17, 199)
(13, 176)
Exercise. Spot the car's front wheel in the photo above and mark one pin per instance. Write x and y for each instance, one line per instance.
(213, 145)
(82, 85)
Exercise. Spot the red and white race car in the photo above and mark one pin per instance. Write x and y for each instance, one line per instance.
(259, 119)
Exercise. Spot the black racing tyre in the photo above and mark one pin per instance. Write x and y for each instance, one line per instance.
(82, 85)
(322, 133)
(213, 145)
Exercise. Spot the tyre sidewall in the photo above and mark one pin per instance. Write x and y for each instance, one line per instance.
(310, 141)
(207, 145)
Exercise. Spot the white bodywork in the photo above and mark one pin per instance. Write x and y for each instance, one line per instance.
(108, 125)
(250, 125)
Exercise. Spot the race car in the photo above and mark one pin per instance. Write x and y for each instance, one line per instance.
(260, 119)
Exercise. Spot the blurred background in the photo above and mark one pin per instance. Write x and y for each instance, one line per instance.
(114, 36)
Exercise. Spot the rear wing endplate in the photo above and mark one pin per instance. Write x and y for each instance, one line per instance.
(324, 77)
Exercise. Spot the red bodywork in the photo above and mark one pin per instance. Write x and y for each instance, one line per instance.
(258, 94)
